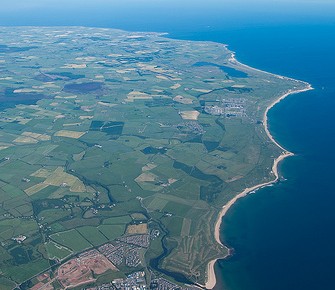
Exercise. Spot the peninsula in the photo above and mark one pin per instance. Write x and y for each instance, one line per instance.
(120, 152)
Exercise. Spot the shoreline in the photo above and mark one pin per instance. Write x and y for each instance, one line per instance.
(211, 278)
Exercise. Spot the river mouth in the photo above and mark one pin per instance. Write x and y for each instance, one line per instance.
(154, 263)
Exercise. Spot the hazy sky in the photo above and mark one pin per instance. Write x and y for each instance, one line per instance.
(19, 4)
(117, 13)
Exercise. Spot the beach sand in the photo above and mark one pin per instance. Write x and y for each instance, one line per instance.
(211, 279)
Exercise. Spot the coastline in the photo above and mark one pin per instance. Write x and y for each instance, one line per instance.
(211, 278)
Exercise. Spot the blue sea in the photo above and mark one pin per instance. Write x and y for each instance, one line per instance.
(283, 236)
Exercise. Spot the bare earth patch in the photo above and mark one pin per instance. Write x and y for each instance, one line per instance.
(146, 177)
(80, 271)
(189, 115)
(137, 229)
(183, 100)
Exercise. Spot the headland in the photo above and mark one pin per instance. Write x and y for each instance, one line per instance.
(211, 280)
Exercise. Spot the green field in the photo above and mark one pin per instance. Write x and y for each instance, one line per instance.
(25, 271)
(93, 235)
(118, 220)
(71, 239)
(56, 251)
(119, 128)
(112, 232)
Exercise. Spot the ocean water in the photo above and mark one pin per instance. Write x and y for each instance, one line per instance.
(283, 236)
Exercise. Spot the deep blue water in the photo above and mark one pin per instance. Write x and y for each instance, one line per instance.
(283, 236)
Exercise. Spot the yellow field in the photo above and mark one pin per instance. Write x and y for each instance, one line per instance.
(190, 115)
(106, 104)
(32, 138)
(66, 97)
(23, 121)
(79, 156)
(43, 173)
(17, 91)
(176, 86)
(74, 65)
(71, 124)
(162, 77)
(69, 134)
(137, 229)
(149, 166)
(35, 188)
(61, 178)
(56, 178)
(146, 177)
(238, 86)
(201, 91)
(135, 95)
(85, 117)
(78, 186)
(183, 100)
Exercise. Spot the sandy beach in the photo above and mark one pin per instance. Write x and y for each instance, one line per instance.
(211, 279)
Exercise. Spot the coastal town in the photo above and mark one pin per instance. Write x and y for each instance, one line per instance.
(231, 107)
(82, 269)
(126, 250)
